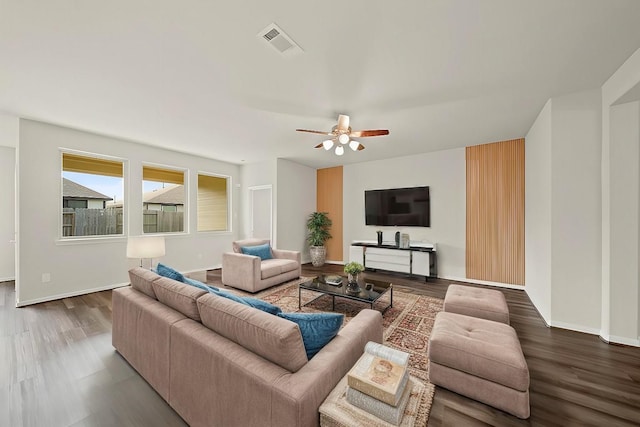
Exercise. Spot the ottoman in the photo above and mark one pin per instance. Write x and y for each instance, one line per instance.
(480, 359)
(477, 302)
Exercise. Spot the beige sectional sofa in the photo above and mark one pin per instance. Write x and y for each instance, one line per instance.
(220, 363)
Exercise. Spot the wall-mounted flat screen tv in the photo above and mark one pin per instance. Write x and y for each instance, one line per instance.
(398, 207)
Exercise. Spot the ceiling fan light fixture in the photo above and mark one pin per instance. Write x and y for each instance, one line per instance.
(340, 135)
(328, 144)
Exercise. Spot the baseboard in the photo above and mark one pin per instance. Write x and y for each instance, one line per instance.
(215, 267)
(7, 279)
(70, 294)
(484, 282)
(544, 319)
(576, 328)
(613, 339)
(334, 262)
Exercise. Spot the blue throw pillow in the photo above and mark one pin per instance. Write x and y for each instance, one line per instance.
(169, 272)
(263, 251)
(251, 302)
(262, 305)
(229, 295)
(198, 284)
(317, 329)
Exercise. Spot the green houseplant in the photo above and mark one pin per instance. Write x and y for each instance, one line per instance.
(318, 225)
(353, 269)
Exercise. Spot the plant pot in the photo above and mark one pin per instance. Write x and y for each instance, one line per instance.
(352, 284)
(318, 255)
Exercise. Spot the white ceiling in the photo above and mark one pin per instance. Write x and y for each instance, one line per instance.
(192, 75)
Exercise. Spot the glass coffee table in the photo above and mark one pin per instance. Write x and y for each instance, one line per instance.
(336, 286)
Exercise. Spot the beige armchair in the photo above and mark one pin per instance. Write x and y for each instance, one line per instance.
(253, 274)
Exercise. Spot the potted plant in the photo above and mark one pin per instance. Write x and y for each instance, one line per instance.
(318, 225)
(353, 269)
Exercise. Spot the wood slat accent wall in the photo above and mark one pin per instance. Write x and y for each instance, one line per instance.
(495, 212)
(329, 199)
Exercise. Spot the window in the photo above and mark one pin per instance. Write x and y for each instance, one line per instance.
(92, 189)
(163, 200)
(75, 204)
(213, 203)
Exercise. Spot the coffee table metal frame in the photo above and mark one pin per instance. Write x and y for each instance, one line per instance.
(368, 296)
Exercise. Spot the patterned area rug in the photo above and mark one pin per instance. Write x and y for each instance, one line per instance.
(407, 325)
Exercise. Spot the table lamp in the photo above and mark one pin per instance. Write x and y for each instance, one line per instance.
(145, 247)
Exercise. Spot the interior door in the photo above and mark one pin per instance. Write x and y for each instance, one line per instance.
(8, 228)
(261, 212)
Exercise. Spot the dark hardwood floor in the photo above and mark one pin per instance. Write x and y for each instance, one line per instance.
(58, 368)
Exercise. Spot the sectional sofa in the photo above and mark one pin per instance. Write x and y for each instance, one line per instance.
(220, 363)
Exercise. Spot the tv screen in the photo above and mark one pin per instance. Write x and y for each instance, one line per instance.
(398, 206)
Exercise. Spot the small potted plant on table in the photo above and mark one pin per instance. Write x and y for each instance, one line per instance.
(353, 269)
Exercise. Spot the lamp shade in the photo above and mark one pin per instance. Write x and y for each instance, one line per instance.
(327, 144)
(145, 247)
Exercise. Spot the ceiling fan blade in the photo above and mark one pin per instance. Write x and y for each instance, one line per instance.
(365, 133)
(343, 123)
(360, 147)
(314, 131)
(318, 146)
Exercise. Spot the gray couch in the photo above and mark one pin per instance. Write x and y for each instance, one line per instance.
(220, 363)
(250, 273)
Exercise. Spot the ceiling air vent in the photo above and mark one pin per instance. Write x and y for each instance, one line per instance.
(277, 39)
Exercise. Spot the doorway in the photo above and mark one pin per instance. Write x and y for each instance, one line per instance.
(260, 198)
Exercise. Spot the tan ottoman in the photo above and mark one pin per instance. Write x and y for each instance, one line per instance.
(480, 359)
(477, 302)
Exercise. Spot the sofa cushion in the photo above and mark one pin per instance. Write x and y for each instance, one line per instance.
(271, 337)
(479, 347)
(166, 271)
(270, 268)
(276, 266)
(236, 245)
(179, 296)
(487, 304)
(317, 329)
(141, 280)
(262, 251)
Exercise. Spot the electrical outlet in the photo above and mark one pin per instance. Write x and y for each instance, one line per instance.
(46, 277)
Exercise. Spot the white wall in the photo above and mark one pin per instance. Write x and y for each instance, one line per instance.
(625, 155)
(296, 199)
(537, 228)
(253, 175)
(576, 215)
(8, 130)
(622, 82)
(92, 264)
(444, 172)
(7, 213)
(562, 212)
(8, 142)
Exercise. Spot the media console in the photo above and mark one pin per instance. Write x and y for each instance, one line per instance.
(417, 259)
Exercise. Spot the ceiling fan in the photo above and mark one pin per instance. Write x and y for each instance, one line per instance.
(341, 134)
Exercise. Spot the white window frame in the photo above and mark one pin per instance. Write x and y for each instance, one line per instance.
(95, 238)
